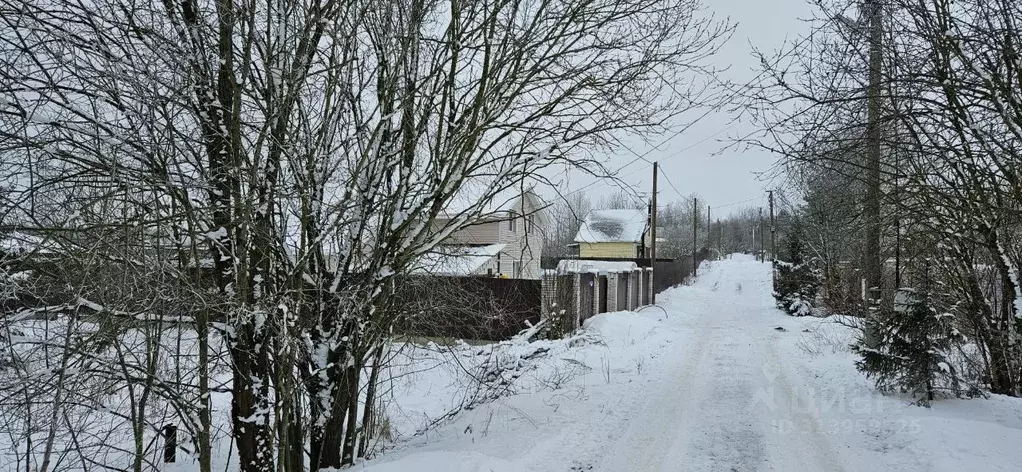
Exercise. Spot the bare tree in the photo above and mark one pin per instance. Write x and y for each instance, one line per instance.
(289, 158)
(564, 218)
(950, 145)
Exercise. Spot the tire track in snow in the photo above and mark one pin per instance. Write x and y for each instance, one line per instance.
(798, 434)
(659, 424)
(726, 431)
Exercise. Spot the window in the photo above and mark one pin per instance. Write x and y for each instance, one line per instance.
(511, 223)
(516, 269)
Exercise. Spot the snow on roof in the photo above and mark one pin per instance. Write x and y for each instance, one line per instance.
(472, 193)
(456, 260)
(572, 266)
(612, 226)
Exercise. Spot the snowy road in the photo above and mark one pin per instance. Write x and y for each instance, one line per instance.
(713, 379)
(725, 404)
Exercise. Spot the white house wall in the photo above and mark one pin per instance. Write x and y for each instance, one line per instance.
(478, 234)
(521, 246)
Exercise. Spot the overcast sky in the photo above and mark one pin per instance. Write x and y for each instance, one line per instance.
(687, 160)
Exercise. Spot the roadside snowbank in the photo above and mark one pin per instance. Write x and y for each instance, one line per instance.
(553, 386)
(462, 461)
(890, 431)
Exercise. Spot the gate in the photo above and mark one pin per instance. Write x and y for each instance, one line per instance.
(603, 294)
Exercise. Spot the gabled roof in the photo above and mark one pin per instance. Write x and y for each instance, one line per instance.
(613, 226)
(503, 201)
(456, 260)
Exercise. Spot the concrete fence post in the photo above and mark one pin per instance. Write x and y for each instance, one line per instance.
(548, 296)
(559, 303)
(643, 301)
(612, 281)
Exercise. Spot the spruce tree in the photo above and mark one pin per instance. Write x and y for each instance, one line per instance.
(796, 281)
(911, 356)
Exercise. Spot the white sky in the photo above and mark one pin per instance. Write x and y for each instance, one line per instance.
(687, 160)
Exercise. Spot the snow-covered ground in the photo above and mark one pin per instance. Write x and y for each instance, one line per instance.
(714, 378)
(704, 381)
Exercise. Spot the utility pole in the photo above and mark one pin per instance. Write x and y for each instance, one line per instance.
(897, 222)
(754, 240)
(762, 244)
(773, 242)
(897, 228)
(720, 239)
(873, 265)
(652, 231)
(709, 226)
(695, 234)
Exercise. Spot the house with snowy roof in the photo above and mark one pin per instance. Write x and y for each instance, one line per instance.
(504, 239)
(618, 233)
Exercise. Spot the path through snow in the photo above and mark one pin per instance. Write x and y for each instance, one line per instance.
(725, 403)
(709, 383)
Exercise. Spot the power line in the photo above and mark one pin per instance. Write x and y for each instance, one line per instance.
(668, 179)
(686, 148)
(739, 203)
(642, 156)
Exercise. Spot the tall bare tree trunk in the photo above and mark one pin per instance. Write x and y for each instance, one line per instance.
(205, 414)
(368, 416)
(352, 433)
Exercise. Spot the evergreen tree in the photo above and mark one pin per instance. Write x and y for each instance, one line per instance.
(796, 281)
(911, 356)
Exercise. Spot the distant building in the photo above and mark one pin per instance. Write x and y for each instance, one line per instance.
(505, 242)
(618, 233)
